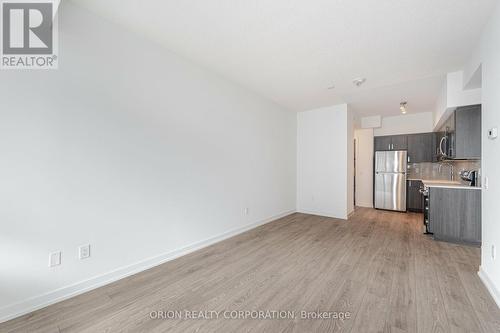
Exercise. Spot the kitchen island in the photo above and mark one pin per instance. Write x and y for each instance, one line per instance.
(452, 209)
(454, 212)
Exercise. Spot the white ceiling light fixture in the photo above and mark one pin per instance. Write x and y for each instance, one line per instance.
(359, 81)
(402, 107)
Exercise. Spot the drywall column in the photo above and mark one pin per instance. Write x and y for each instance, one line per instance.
(350, 162)
(364, 167)
(490, 58)
(323, 139)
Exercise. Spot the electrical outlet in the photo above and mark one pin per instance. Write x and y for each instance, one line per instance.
(493, 133)
(493, 252)
(246, 211)
(486, 183)
(84, 251)
(54, 259)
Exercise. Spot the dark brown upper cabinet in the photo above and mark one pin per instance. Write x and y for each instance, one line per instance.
(391, 142)
(383, 143)
(468, 133)
(399, 142)
(421, 147)
(460, 136)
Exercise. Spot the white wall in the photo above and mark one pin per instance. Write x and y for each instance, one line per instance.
(457, 95)
(453, 95)
(441, 113)
(490, 58)
(371, 122)
(364, 167)
(322, 161)
(406, 124)
(133, 150)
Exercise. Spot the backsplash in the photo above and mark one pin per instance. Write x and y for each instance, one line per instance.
(441, 171)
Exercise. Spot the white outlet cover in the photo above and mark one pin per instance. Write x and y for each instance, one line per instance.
(84, 251)
(493, 133)
(493, 252)
(54, 259)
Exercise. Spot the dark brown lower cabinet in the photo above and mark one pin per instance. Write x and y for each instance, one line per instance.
(455, 214)
(414, 198)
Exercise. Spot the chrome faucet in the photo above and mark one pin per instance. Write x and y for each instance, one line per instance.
(452, 169)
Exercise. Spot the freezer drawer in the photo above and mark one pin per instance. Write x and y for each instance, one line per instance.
(390, 191)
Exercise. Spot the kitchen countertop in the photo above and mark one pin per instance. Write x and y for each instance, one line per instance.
(446, 184)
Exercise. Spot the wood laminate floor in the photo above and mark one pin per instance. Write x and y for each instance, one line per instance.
(378, 267)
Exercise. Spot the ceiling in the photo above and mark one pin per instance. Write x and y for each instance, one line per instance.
(291, 51)
(421, 96)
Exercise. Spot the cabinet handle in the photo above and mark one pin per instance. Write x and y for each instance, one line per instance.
(408, 158)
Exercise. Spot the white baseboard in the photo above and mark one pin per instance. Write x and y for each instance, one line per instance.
(364, 204)
(494, 292)
(41, 301)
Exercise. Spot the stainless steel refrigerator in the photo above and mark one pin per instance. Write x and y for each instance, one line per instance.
(390, 180)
